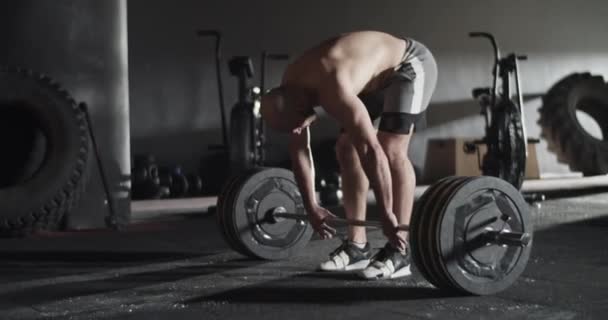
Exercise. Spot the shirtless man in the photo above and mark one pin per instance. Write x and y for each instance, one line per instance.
(357, 78)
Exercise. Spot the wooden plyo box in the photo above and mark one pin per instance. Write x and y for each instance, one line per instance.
(449, 157)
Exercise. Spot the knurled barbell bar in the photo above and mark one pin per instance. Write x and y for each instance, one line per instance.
(469, 234)
(489, 237)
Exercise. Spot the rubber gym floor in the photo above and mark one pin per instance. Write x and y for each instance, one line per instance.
(181, 269)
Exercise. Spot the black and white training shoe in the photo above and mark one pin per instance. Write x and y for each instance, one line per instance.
(388, 263)
(348, 257)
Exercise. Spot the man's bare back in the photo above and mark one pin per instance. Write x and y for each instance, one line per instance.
(365, 58)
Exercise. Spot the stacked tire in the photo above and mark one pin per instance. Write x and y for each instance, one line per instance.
(45, 163)
(565, 134)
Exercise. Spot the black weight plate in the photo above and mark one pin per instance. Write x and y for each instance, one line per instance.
(417, 214)
(220, 214)
(260, 234)
(224, 211)
(418, 233)
(429, 228)
(260, 193)
(441, 202)
(427, 232)
(438, 257)
(231, 229)
(415, 223)
(229, 212)
(470, 211)
(417, 220)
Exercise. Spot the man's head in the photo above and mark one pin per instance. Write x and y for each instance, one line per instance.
(287, 109)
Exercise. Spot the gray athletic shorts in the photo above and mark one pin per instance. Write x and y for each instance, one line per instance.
(403, 99)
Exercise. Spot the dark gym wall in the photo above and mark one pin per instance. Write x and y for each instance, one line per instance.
(83, 45)
(173, 91)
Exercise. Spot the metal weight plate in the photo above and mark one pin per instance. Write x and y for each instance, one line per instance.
(232, 231)
(479, 205)
(432, 230)
(418, 233)
(251, 201)
(415, 222)
(219, 211)
(435, 234)
(222, 213)
(425, 232)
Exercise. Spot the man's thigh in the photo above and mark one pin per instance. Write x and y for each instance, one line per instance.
(403, 108)
(407, 96)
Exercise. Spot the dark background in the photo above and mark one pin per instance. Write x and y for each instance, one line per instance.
(82, 45)
(150, 81)
(173, 90)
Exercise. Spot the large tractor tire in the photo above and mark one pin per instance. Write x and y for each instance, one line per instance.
(566, 136)
(46, 149)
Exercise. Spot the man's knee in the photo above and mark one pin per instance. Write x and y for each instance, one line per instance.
(395, 149)
(396, 155)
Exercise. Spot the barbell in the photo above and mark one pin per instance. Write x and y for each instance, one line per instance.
(467, 234)
(489, 237)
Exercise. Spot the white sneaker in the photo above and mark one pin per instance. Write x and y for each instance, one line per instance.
(388, 263)
(348, 257)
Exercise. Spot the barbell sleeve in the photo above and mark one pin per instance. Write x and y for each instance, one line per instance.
(517, 239)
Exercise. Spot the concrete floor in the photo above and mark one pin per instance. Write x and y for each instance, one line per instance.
(181, 269)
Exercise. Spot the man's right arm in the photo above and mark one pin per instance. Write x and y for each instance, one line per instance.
(304, 171)
(303, 167)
